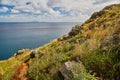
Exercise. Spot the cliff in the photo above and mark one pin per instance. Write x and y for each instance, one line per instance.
(95, 43)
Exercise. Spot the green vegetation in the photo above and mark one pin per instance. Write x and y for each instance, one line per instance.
(96, 43)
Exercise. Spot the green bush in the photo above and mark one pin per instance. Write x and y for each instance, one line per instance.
(103, 63)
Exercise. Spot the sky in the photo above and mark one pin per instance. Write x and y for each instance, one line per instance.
(50, 10)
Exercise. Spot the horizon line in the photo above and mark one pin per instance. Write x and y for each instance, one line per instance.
(40, 22)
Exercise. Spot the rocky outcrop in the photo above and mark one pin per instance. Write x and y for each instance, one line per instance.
(75, 30)
(23, 51)
(72, 70)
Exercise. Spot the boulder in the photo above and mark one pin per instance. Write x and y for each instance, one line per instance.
(72, 70)
(32, 54)
(21, 52)
(69, 71)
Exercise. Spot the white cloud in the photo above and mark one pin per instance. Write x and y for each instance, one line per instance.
(15, 11)
(34, 6)
(72, 5)
(81, 6)
(70, 10)
(101, 1)
(4, 9)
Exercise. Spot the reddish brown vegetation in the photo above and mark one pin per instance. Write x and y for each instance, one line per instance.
(21, 72)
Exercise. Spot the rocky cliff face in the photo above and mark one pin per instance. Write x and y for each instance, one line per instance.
(95, 43)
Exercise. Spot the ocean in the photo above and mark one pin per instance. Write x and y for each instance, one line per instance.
(16, 36)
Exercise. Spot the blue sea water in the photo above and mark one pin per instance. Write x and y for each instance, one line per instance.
(16, 36)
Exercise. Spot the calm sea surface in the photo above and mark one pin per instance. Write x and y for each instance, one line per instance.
(16, 36)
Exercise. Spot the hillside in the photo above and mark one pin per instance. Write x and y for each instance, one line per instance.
(95, 43)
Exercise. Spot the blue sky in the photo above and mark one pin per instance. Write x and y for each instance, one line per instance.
(50, 10)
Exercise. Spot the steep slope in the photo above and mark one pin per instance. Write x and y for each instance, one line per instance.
(96, 43)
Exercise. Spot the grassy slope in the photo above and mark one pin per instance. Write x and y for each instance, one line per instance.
(96, 43)
(8, 67)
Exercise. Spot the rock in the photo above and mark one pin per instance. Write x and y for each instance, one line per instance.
(32, 54)
(71, 69)
(21, 52)
(75, 30)
(97, 14)
(59, 39)
(65, 37)
(111, 6)
(15, 54)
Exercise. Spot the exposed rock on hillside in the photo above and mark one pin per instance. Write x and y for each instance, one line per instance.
(72, 70)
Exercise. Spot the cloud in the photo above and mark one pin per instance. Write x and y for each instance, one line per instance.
(4, 9)
(101, 1)
(32, 6)
(71, 5)
(15, 11)
(52, 10)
